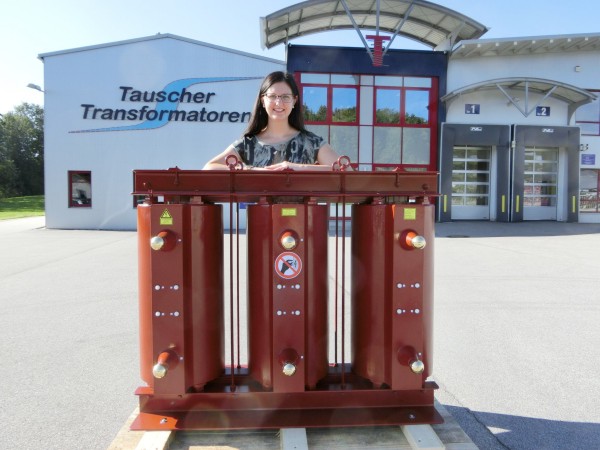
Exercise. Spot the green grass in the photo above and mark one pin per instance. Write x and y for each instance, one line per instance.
(15, 207)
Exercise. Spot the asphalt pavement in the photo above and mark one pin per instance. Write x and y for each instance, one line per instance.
(517, 308)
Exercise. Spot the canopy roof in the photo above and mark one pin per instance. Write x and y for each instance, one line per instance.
(572, 95)
(526, 45)
(433, 25)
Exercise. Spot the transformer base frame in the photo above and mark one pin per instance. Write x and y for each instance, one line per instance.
(247, 406)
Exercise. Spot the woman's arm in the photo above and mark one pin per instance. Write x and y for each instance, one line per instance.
(325, 159)
(327, 156)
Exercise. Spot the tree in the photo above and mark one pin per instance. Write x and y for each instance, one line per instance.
(22, 151)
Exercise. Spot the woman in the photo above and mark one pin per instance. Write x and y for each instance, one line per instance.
(275, 138)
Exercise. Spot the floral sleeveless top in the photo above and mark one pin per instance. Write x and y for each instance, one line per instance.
(302, 148)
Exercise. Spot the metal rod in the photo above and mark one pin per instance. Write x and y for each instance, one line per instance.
(356, 28)
(336, 281)
(343, 288)
(231, 350)
(399, 27)
(237, 272)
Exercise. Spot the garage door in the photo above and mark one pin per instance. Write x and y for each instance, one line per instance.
(471, 183)
(541, 184)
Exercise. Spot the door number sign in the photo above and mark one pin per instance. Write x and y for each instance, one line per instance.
(288, 265)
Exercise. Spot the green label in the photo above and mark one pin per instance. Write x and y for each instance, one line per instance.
(410, 213)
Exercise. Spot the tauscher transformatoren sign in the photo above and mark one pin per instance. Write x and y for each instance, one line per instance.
(166, 103)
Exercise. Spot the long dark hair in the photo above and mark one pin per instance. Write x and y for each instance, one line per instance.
(259, 118)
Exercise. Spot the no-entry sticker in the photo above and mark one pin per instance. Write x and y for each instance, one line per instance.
(288, 265)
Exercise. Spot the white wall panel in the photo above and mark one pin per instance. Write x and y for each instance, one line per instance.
(94, 76)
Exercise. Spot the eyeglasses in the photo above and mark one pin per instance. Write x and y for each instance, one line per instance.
(285, 98)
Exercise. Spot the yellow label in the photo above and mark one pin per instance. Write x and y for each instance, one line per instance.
(288, 212)
(166, 218)
(410, 213)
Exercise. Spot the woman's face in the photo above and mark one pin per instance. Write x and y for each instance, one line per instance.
(278, 101)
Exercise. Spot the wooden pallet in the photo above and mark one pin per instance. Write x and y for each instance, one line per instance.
(448, 436)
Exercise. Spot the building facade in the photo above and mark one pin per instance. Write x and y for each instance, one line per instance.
(151, 103)
(511, 125)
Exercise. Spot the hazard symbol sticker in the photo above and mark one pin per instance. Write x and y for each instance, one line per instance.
(166, 218)
(288, 265)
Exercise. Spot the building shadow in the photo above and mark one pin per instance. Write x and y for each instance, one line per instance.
(490, 431)
(478, 229)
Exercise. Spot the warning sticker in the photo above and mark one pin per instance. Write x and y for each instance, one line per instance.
(289, 212)
(288, 265)
(166, 218)
(410, 213)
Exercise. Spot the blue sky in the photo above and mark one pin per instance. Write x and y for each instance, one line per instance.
(31, 27)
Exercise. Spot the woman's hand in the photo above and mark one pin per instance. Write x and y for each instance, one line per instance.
(284, 165)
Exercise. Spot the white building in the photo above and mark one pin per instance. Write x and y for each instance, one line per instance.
(150, 103)
(517, 123)
(512, 125)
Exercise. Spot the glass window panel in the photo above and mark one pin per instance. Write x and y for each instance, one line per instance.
(316, 78)
(478, 177)
(589, 179)
(315, 103)
(388, 81)
(589, 128)
(417, 82)
(344, 105)
(80, 189)
(416, 146)
(548, 190)
(458, 188)
(589, 199)
(542, 178)
(387, 103)
(319, 130)
(386, 145)
(539, 201)
(458, 176)
(547, 201)
(548, 156)
(545, 167)
(528, 178)
(529, 155)
(460, 153)
(478, 165)
(477, 188)
(588, 206)
(416, 107)
(476, 201)
(589, 112)
(458, 165)
(345, 141)
(344, 79)
(458, 200)
(478, 153)
(547, 178)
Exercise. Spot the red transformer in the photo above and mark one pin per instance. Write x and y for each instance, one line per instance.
(308, 319)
